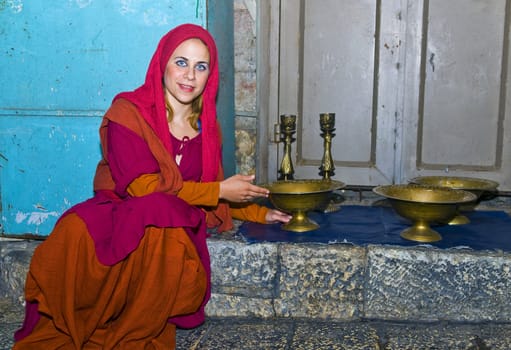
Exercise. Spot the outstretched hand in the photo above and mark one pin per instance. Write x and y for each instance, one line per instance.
(274, 215)
(240, 189)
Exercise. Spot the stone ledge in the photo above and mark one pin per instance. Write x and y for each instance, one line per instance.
(335, 281)
(15, 258)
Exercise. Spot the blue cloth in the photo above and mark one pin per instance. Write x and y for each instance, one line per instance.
(362, 225)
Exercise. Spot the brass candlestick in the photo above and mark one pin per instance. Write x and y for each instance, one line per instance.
(326, 170)
(287, 129)
(327, 125)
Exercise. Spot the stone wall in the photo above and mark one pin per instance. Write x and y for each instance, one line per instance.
(245, 84)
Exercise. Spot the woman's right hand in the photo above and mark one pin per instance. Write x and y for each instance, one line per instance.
(240, 189)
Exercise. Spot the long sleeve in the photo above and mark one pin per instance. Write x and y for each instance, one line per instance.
(202, 194)
(252, 212)
(194, 193)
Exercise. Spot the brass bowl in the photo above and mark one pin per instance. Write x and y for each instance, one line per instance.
(422, 205)
(474, 185)
(298, 197)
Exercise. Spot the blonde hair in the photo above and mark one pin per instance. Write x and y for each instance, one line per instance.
(194, 117)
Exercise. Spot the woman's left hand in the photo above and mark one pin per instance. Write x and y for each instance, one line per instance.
(274, 215)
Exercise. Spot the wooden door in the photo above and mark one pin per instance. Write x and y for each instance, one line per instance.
(418, 87)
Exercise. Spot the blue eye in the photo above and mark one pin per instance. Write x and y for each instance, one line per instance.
(181, 63)
(202, 67)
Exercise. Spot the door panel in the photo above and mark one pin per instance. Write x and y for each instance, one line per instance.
(328, 63)
(462, 64)
(463, 104)
(345, 55)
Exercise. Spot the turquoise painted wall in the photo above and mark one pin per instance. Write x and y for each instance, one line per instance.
(62, 63)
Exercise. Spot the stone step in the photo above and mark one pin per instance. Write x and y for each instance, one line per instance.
(328, 296)
(340, 282)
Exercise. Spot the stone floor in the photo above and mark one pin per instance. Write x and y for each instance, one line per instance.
(307, 334)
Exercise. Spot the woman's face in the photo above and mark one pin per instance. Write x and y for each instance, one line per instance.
(186, 72)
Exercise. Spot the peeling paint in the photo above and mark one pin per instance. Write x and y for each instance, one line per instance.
(83, 3)
(20, 217)
(16, 6)
(155, 17)
(126, 7)
(34, 218)
(40, 207)
(150, 15)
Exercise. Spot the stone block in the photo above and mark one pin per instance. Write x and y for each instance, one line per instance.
(321, 281)
(229, 305)
(430, 284)
(243, 270)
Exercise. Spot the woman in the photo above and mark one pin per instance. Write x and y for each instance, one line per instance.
(124, 268)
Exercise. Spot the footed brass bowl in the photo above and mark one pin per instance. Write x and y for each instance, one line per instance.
(474, 185)
(298, 197)
(422, 205)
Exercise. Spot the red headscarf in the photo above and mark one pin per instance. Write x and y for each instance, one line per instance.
(150, 97)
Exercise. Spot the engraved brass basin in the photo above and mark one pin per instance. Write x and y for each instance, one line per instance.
(474, 185)
(298, 197)
(423, 205)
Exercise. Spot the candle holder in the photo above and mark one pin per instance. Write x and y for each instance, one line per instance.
(287, 129)
(327, 125)
(326, 170)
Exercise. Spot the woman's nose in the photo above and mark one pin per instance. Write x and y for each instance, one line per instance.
(190, 73)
